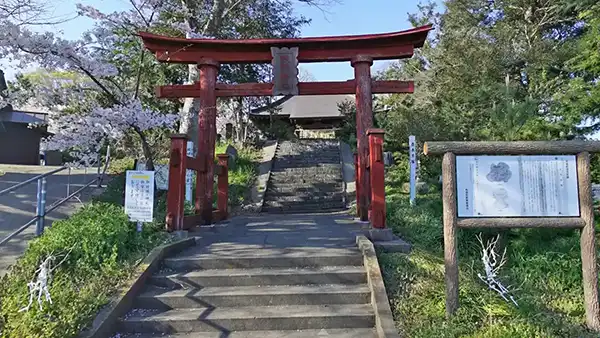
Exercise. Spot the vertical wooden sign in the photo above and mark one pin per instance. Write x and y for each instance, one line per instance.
(285, 70)
(412, 151)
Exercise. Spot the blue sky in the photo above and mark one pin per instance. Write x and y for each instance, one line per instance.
(348, 18)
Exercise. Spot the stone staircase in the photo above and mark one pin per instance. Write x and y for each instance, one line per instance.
(306, 177)
(293, 280)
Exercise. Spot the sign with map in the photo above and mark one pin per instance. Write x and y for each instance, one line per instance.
(517, 186)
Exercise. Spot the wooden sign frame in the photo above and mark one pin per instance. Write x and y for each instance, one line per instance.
(585, 221)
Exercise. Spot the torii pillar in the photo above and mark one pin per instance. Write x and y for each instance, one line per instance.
(207, 134)
(364, 121)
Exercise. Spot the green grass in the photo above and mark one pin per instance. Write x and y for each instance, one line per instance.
(105, 250)
(243, 176)
(544, 266)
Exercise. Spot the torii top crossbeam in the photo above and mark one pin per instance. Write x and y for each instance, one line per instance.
(311, 49)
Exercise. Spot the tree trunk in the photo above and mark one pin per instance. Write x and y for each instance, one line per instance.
(191, 106)
(189, 113)
(147, 150)
(239, 120)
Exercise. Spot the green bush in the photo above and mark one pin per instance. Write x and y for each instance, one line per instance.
(99, 247)
(118, 166)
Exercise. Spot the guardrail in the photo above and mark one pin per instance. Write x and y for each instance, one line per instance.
(41, 211)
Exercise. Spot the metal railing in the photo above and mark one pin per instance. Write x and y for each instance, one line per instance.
(41, 211)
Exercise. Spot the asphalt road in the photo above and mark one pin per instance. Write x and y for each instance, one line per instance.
(18, 207)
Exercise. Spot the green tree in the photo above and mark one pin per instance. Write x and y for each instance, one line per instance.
(490, 71)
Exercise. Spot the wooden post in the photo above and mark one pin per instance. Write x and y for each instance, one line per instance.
(223, 186)
(176, 191)
(588, 243)
(206, 138)
(450, 217)
(377, 176)
(357, 184)
(364, 120)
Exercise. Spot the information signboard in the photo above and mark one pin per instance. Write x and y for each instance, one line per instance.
(517, 186)
(139, 195)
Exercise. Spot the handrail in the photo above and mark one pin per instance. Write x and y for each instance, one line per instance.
(41, 210)
(31, 180)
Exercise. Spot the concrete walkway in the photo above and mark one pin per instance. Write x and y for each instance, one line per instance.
(280, 231)
(18, 207)
(284, 275)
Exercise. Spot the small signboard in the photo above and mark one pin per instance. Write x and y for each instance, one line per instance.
(161, 176)
(139, 195)
(517, 186)
(189, 174)
(285, 70)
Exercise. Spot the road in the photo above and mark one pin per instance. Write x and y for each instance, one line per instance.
(18, 207)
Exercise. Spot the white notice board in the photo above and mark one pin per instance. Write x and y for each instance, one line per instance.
(517, 186)
(139, 195)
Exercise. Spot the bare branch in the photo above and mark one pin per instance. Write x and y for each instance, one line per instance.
(492, 266)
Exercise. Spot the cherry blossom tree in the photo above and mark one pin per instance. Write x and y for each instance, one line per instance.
(111, 97)
(102, 103)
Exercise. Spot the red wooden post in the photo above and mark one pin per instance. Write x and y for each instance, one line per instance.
(223, 186)
(364, 120)
(176, 191)
(206, 138)
(357, 184)
(377, 169)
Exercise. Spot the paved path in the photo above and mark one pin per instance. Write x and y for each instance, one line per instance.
(18, 207)
(280, 233)
(260, 276)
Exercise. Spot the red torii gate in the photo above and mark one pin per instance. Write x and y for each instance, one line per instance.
(285, 54)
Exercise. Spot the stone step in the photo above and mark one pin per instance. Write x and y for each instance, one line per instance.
(304, 189)
(333, 169)
(304, 195)
(300, 210)
(320, 174)
(295, 317)
(312, 199)
(296, 146)
(316, 333)
(281, 154)
(307, 179)
(307, 161)
(236, 296)
(306, 205)
(252, 277)
(290, 258)
(307, 174)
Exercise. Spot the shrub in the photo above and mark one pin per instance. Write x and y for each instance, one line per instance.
(100, 248)
(100, 245)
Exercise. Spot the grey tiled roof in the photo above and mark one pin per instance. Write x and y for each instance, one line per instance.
(309, 106)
